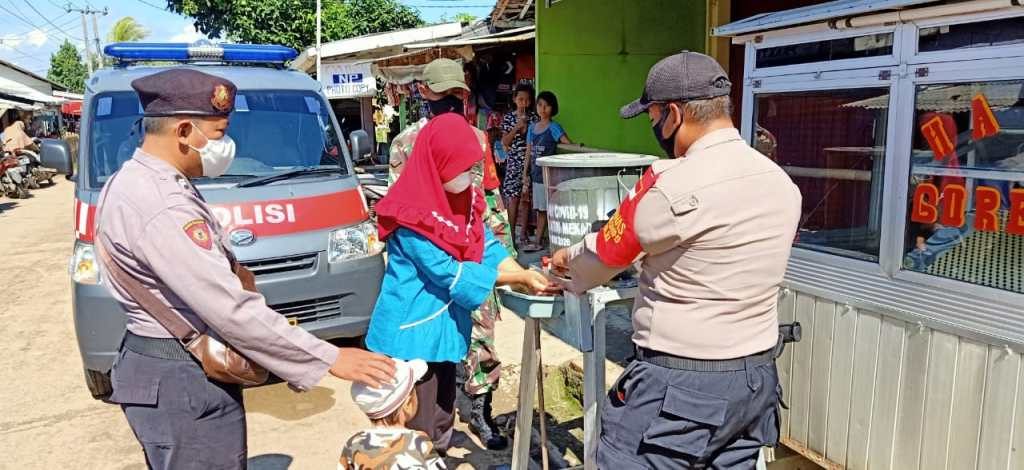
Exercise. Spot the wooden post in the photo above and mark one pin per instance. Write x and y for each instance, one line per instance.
(527, 387)
(593, 379)
(540, 402)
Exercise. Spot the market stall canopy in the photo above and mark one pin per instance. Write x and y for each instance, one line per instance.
(8, 104)
(407, 67)
(952, 98)
(73, 108)
(68, 95)
(25, 92)
(812, 14)
(373, 45)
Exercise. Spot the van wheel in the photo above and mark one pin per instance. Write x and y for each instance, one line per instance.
(98, 384)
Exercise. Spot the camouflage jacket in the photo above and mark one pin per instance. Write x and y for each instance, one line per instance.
(390, 449)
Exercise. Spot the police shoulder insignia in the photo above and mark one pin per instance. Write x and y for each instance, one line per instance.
(199, 232)
(221, 99)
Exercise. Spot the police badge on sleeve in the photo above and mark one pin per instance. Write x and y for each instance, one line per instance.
(199, 232)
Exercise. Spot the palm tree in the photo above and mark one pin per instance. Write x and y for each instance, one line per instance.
(127, 30)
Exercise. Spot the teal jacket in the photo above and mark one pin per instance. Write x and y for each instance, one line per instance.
(423, 311)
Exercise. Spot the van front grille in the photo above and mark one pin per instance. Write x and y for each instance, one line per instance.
(310, 310)
(284, 264)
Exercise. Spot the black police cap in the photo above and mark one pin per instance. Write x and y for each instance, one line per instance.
(185, 92)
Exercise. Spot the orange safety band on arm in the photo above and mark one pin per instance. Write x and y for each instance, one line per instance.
(617, 244)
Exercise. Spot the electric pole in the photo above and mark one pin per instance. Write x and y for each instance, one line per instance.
(85, 36)
(318, 39)
(96, 36)
(85, 33)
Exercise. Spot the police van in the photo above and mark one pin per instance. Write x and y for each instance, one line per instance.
(291, 201)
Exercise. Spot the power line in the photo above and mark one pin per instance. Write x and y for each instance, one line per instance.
(19, 17)
(34, 26)
(144, 2)
(23, 54)
(21, 14)
(62, 7)
(44, 31)
(30, 5)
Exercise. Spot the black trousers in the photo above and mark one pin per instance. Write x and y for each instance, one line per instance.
(436, 396)
(656, 417)
(182, 419)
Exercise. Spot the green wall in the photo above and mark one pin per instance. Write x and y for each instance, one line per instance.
(594, 55)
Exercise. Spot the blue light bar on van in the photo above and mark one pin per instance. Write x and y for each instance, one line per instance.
(202, 51)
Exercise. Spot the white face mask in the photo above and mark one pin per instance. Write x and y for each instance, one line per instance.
(460, 183)
(216, 155)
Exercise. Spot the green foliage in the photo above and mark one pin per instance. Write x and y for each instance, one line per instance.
(127, 30)
(67, 68)
(293, 22)
(464, 18)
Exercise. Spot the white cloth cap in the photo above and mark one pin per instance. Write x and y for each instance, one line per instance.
(379, 402)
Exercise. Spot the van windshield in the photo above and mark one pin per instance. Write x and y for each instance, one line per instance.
(274, 130)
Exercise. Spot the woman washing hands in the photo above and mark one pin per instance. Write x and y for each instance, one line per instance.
(442, 261)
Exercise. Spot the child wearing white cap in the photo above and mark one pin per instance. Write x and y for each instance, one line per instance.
(389, 445)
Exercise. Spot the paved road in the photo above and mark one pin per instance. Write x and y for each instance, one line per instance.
(47, 417)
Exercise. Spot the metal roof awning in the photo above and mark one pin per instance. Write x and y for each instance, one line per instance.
(952, 98)
(513, 13)
(8, 104)
(25, 92)
(515, 35)
(374, 45)
(812, 14)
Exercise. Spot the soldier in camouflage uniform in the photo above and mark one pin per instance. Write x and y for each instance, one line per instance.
(481, 367)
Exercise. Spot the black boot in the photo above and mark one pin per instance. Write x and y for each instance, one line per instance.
(481, 423)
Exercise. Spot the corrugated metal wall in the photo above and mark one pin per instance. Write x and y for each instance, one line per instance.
(867, 391)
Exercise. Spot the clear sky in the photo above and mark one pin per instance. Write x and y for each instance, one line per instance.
(33, 29)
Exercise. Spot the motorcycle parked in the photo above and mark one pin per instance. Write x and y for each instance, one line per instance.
(13, 180)
(34, 170)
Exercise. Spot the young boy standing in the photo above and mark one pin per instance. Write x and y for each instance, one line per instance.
(389, 445)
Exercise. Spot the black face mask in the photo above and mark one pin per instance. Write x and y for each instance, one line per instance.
(448, 104)
(668, 144)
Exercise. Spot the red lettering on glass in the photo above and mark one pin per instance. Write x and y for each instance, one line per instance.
(986, 208)
(984, 123)
(925, 197)
(1015, 222)
(954, 205)
(939, 141)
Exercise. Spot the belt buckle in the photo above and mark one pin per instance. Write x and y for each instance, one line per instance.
(190, 339)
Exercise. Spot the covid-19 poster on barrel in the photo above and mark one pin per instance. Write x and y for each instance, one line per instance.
(585, 189)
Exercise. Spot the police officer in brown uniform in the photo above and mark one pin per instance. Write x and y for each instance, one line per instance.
(156, 232)
(710, 230)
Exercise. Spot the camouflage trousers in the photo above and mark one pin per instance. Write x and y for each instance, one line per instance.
(481, 365)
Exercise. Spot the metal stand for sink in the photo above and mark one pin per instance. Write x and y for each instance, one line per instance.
(583, 326)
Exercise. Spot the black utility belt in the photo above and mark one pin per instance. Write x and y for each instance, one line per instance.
(788, 333)
(160, 348)
(669, 361)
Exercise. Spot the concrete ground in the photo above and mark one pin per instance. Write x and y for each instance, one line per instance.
(49, 420)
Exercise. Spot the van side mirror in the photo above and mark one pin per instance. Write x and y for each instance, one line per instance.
(361, 144)
(56, 154)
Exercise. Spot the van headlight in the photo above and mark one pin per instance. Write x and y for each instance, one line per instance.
(358, 241)
(83, 267)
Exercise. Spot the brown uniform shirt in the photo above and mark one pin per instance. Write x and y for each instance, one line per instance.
(716, 230)
(148, 215)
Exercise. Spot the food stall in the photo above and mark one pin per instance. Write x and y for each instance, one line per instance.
(903, 125)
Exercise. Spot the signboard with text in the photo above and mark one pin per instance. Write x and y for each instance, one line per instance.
(348, 81)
